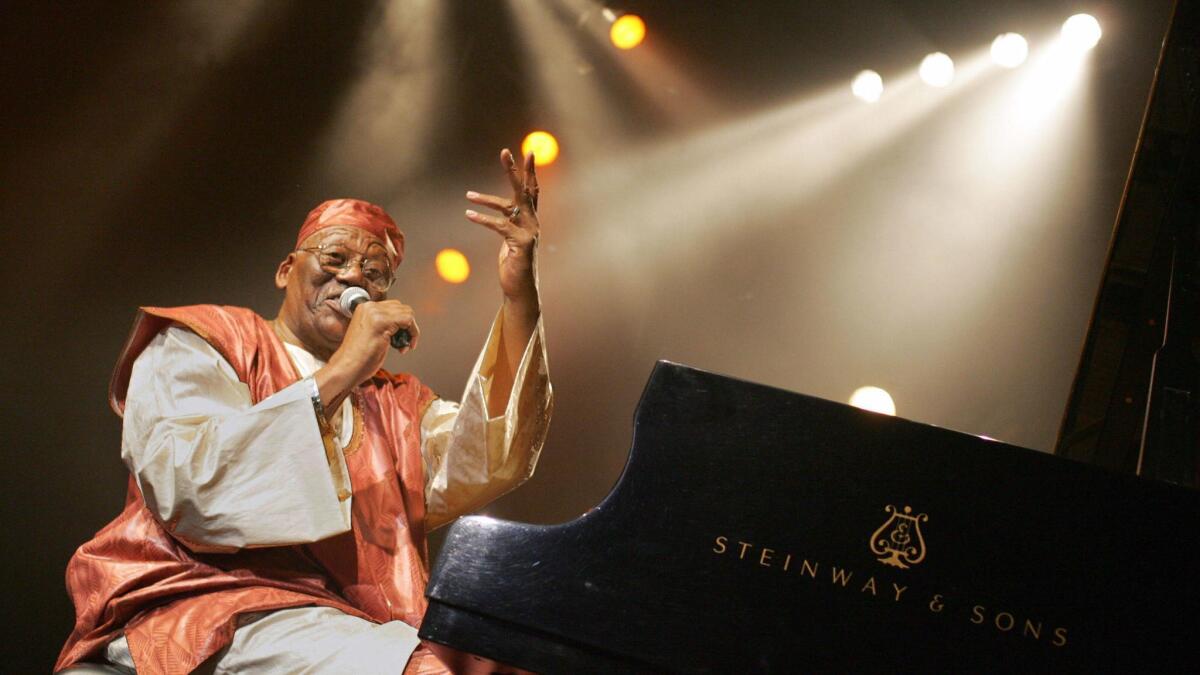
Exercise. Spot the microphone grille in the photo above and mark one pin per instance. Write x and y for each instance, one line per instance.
(353, 297)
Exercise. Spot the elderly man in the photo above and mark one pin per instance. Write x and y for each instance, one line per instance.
(282, 484)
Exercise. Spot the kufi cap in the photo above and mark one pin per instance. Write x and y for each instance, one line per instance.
(355, 213)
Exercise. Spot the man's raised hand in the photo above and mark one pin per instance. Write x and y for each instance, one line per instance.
(518, 224)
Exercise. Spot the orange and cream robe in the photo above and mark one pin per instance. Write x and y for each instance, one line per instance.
(244, 505)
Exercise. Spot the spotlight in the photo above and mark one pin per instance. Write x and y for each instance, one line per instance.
(452, 265)
(627, 32)
(1081, 32)
(1009, 50)
(937, 70)
(868, 86)
(543, 146)
(873, 399)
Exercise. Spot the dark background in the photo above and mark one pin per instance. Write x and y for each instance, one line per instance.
(165, 154)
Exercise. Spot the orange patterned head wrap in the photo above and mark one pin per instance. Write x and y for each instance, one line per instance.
(355, 213)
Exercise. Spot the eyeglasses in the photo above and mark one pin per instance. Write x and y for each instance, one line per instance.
(336, 259)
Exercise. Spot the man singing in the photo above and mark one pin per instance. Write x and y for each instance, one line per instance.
(282, 484)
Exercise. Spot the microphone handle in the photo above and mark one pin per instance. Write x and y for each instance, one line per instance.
(353, 297)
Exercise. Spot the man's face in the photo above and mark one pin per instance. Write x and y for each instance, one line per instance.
(310, 307)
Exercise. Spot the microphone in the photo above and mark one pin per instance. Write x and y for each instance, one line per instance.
(353, 297)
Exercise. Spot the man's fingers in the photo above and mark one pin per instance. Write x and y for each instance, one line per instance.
(525, 194)
(396, 315)
(496, 223)
(516, 177)
(491, 201)
(531, 184)
(414, 336)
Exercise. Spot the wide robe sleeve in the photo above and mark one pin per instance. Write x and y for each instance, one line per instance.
(471, 459)
(220, 472)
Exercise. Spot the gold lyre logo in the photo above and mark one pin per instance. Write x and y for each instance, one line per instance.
(898, 541)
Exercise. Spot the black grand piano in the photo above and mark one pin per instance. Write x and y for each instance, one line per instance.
(756, 530)
(760, 531)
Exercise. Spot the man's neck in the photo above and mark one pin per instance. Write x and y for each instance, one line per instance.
(286, 334)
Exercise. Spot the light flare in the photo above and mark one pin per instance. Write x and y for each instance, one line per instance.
(1081, 32)
(543, 145)
(1009, 50)
(452, 266)
(937, 70)
(873, 399)
(867, 86)
(627, 32)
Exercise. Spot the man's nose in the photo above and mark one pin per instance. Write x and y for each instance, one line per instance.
(352, 274)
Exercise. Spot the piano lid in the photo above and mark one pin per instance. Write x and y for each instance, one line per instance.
(758, 530)
(1132, 405)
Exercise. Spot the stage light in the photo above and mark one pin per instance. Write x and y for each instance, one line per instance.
(1009, 50)
(937, 70)
(543, 145)
(873, 399)
(1081, 32)
(868, 86)
(627, 32)
(452, 265)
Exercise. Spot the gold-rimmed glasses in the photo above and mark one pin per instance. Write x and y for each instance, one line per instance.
(337, 259)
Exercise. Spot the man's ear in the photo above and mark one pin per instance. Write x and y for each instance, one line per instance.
(284, 270)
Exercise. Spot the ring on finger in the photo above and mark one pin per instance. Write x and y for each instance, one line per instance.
(514, 212)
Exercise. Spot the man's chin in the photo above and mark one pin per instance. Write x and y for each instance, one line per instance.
(331, 330)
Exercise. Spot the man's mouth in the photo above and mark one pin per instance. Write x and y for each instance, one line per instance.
(333, 301)
(333, 295)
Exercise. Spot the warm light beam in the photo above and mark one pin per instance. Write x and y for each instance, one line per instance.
(661, 74)
(570, 99)
(391, 104)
